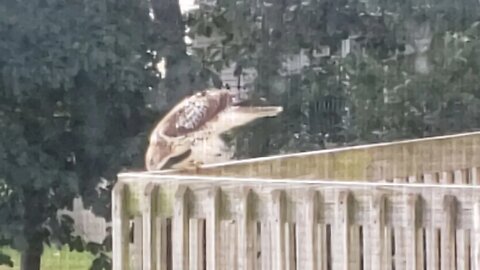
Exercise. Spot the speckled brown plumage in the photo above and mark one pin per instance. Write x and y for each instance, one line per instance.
(195, 111)
(194, 126)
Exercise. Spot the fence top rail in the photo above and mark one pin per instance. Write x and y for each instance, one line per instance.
(369, 162)
(137, 194)
(144, 178)
(338, 149)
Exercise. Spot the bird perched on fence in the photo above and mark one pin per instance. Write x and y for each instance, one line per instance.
(189, 134)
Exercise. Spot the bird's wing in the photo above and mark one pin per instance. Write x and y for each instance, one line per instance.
(171, 136)
(210, 150)
(192, 113)
(236, 116)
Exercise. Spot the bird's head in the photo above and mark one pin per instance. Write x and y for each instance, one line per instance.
(161, 150)
(158, 153)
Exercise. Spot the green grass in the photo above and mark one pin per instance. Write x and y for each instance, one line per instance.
(53, 259)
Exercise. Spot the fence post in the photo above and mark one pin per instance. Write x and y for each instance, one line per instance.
(463, 243)
(149, 228)
(399, 235)
(308, 228)
(342, 256)
(213, 227)
(246, 233)
(120, 227)
(377, 232)
(196, 251)
(448, 232)
(432, 245)
(415, 234)
(278, 212)
(476, 235)
(180, 229)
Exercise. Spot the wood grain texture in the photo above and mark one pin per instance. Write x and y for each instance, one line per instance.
(448, 232)
(180, 228)
(246, 232)
(150, 229)
(372, 162)
(213, 228)
(120, 227)
(476, 236)
(231, 233)
(396, 193)
(278, 218)
(376, 234)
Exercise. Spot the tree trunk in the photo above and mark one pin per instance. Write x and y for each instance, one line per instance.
(31, 258)
(35, 214)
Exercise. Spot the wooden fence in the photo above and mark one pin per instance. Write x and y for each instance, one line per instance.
(402, 205)
(438, 156)
(274, 224)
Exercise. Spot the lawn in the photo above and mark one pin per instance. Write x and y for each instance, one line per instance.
(54, 259)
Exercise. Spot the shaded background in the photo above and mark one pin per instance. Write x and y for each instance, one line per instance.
(83, 83)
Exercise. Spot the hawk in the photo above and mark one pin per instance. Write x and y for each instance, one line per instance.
(189, 134)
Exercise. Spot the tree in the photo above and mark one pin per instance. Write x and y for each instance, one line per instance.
(407, 73)
(72, 111)
(78, 79)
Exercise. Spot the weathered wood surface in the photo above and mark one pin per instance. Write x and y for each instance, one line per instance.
(399, 205)
(362, 218)
(373, 162)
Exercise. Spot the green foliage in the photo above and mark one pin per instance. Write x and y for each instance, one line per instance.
(391, 101)
(74, 76)
(409, 72)
(5, 260)
(53, 258)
